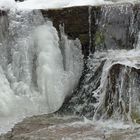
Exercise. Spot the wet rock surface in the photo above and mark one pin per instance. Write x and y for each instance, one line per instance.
(99, 27)
(2, 13)
(113, 27)
(83, 101)
(75, 22)
(117, 101)
(36, 124)
(69, 128)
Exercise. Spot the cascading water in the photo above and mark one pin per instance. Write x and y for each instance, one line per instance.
(109, 88)
(35, 79)
(39, 70)
(118, 98)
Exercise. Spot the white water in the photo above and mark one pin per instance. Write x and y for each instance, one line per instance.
(32, 75)
(125, 58)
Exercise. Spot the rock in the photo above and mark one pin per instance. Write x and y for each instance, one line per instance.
(19, 0)
(37, 127)
(121, 99)
(4, 24)
(74, 20)
(46, 127)
(2, 13)
(82, 101)
(99, 27)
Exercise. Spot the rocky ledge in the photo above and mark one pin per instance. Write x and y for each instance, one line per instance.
(99, 27)
(49, 127)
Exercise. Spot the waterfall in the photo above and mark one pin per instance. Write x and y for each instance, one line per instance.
(42, 70)
(109, 87)
(37, 69)
(117, 98)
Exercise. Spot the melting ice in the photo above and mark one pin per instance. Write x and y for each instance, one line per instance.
(34, 77)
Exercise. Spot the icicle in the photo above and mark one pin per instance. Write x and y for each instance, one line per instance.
(89, 22)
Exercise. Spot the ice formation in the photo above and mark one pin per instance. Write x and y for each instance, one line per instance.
(37, 69)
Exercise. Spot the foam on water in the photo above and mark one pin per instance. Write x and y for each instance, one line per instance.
(46, 4)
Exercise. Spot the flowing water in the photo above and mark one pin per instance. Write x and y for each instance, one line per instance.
(39, 70)
(109, 88)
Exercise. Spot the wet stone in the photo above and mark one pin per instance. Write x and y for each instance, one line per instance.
(105, 27)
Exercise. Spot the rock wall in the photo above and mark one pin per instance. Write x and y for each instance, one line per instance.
(75, 22)
(2, 13)
(105, 27)
(99, 27)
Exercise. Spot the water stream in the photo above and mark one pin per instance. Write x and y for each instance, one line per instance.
(39, 69)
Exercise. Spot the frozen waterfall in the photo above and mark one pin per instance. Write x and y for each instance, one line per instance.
(37, 69)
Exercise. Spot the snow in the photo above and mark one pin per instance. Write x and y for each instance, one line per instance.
(47, 4)
(53, 4)
(7, 4)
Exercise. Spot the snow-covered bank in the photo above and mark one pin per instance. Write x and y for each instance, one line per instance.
(46, 4)
(56, 4)
(7, 4)
(53, 4)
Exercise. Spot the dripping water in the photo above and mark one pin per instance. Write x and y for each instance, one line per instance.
(89, 22)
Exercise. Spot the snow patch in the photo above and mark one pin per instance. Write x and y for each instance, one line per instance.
(47, 4)
(54, 4)
(7, 4)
